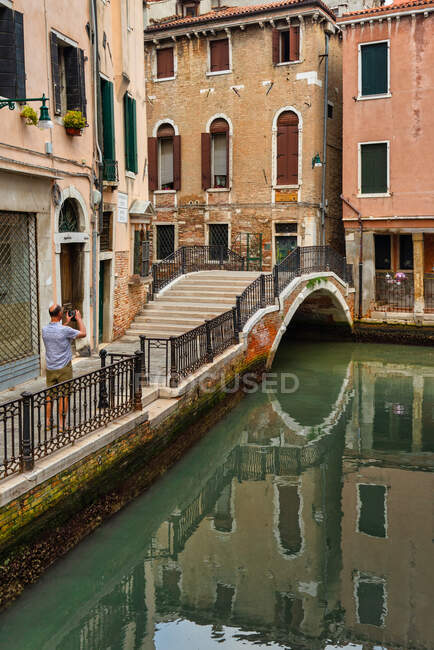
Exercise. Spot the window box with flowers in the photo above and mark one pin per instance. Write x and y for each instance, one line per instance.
(74, 122)
(29, 115)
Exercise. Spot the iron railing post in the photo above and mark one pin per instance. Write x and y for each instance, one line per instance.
(137, 380)
(142, 338)
(103, 400)
(238, 309)
(174, 377)
(262, 283)
(236, 330)
(209, 350)
(27, 450)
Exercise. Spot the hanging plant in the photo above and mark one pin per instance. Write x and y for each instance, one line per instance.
(74, 122)
(30, 116)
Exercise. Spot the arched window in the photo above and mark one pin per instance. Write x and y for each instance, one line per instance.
(215, 155)
(165, 135)
(287, 149)
(69, 220)
(164, 153)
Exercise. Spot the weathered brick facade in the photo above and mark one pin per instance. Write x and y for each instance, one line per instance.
(129, 294)
(250, 97)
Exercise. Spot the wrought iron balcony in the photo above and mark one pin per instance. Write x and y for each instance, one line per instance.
(110, 171)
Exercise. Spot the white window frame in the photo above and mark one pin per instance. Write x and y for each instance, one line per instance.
(219, 37)
(285, 28)
(155, 79)
(218, 223)
(359, 509)
(361, 97)
(359, 175)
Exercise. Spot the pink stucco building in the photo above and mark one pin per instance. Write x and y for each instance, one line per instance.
(388, 157)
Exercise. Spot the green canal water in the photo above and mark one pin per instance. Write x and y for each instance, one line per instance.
(303, 520)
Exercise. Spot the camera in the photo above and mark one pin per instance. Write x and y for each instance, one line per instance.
(71, 314)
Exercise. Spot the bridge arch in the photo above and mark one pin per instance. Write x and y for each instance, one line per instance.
(292, 300)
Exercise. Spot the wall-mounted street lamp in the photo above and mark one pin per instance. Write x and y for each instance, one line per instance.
(316, 161)
(44, 116)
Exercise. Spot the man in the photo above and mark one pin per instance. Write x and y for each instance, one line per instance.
(57, 339)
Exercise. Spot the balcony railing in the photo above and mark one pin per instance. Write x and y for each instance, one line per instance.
(110, 171)
(428, 290)
(394, 291)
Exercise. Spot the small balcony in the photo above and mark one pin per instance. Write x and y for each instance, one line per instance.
(110, 172)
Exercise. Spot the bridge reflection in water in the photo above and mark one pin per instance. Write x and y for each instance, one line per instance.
(302, 521)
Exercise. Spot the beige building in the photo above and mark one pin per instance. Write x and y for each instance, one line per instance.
(58, 241)
(237, 109)
(125, 209)
(47, 220)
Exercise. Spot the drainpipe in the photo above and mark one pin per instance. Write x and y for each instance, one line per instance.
(327, 33)
(97, 216)
(359, 218)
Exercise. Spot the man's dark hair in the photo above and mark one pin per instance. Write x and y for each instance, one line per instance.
(54, 311)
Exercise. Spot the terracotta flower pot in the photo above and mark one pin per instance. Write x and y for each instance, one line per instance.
(73, 131)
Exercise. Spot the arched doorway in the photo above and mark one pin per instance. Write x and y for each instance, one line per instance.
(71, 258)
(72, 246)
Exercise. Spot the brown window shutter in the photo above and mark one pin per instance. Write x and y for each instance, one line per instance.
(293, 155)
(206, 160)
(276, 46)
(153, 164)
(177, 162)
(165, 67)
(55, 73)
(282, 155)
(294, 43)
(219, 55)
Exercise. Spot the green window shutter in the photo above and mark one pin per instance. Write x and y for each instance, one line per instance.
(108, 120)
(374, 168)
(137, 252)
(374, 68)
(130, 120)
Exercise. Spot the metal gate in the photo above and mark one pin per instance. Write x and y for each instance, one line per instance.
(249, 246)
(19, 310)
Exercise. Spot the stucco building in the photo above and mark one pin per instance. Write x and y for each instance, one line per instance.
(237, 109)
(46, 178)
(388, 126)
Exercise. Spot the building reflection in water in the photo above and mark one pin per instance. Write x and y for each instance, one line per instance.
(307, 532)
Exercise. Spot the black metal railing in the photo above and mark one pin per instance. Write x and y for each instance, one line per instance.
(428, 290)
(394, 291)
(110, 171)
(257, 295)
(194, 258)
(38, 424)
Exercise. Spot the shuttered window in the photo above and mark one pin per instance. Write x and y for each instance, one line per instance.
(373, 161)
(108, 120)
(12, 63)
(219, 55)
(130, 124)
(164, 155)
(286, 45)
(68, 77)
(165, 67)
(219, 153)
(287, 149)
(374, 68)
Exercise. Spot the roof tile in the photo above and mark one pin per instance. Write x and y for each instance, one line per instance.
(398, 5)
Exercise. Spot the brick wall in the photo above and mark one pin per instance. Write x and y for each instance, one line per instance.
(249, 205)
(129, 295)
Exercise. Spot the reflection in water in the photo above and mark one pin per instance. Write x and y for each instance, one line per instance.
(303, 520)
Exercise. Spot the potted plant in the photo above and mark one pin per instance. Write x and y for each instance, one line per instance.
(30, 116)
(74, 122)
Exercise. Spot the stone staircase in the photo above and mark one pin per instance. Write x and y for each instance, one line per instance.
(187, 303)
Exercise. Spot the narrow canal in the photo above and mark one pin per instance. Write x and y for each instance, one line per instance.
(303, 520)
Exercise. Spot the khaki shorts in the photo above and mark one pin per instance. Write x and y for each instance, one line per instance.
(57, 376)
